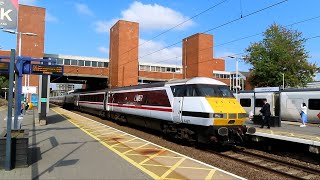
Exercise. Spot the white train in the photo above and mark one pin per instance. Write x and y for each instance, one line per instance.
(290, 102)
(198, 109)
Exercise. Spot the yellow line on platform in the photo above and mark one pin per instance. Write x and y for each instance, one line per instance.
(115, 151)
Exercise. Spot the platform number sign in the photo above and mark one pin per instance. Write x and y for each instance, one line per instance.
(8, 14)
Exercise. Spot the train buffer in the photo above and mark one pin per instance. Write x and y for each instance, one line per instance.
(74, 147)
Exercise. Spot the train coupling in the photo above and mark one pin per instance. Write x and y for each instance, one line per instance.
(251, 130)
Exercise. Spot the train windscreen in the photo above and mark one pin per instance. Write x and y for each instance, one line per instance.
(214, 91)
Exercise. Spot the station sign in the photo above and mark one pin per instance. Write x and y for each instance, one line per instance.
(42, 69)
(267, 89)
(9, 14)
(4, 67)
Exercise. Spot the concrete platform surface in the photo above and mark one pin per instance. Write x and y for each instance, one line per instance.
(291, 131)
(61, 150)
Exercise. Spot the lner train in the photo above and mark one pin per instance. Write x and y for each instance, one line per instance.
(198, 110)
(289, 101)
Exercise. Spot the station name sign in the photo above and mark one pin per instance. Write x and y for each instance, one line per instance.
(42, 69)
(267, 89)
(8, 14)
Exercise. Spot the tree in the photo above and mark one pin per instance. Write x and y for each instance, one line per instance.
(282, 51)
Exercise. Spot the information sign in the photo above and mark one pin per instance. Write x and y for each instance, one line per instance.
(42, 69)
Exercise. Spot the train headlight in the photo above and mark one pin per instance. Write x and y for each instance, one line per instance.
(218, 115)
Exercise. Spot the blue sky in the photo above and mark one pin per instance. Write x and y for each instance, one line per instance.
(81, 27)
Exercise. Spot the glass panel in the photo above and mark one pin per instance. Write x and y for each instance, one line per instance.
(100, 64)
(259, 102)
(147, 68)
(314, 104)
(87, 63)
(163, 69)
(74, 62)
(59, 61)
(153, 68)
(245, 102)
(80, 63)
(106, 64)
(94, 64)
(67, 62)
(142, 68)
(158, 69)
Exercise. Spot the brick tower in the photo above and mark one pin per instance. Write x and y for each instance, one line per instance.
(124, 42)
(197, 56)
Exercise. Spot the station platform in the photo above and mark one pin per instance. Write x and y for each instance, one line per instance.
(290, 131)
(71, 146)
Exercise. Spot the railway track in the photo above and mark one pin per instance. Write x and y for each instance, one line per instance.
(269, 164)
(285, 168)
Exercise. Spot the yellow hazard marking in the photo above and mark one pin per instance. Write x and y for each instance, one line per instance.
(156, 161)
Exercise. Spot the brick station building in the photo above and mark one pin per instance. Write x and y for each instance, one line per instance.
(123, 67)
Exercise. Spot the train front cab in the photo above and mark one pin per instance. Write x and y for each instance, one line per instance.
(216, 115)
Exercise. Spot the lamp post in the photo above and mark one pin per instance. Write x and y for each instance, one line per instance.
(237, 72)
(20, 49)
(282, 80)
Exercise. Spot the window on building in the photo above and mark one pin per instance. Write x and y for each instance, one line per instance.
(59, 61)
(94, 64)
(87, 63)
(74, 62)
(158, 69)
(246, 102)
(147, 68)
(168, 69)
(142, 68)
(153, 68)
(173, 69)
(314, 104)
(178, 70)
(106, 64)
(67, 62)
(163, 69)
(100, 64)
(80, 63)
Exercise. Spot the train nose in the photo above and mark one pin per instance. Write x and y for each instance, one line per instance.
(251, 130)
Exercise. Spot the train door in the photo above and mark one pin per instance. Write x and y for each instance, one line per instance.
(177, 109)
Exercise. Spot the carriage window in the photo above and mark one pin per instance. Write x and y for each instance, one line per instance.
(245, 102)
(314, 104)
(259, 102)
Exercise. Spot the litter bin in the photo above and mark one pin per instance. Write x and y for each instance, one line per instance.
(19, 148)
(274, 120)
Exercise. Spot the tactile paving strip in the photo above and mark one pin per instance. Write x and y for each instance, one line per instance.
(154, 160)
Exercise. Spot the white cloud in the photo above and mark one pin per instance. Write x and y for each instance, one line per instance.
(103, 50)
(27, 2)
(149, 17)
(51, 18)
(103, 26)
(170, 55)
(84, 9)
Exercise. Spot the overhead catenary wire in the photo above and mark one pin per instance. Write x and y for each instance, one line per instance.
(176, 26)
(211, 29)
